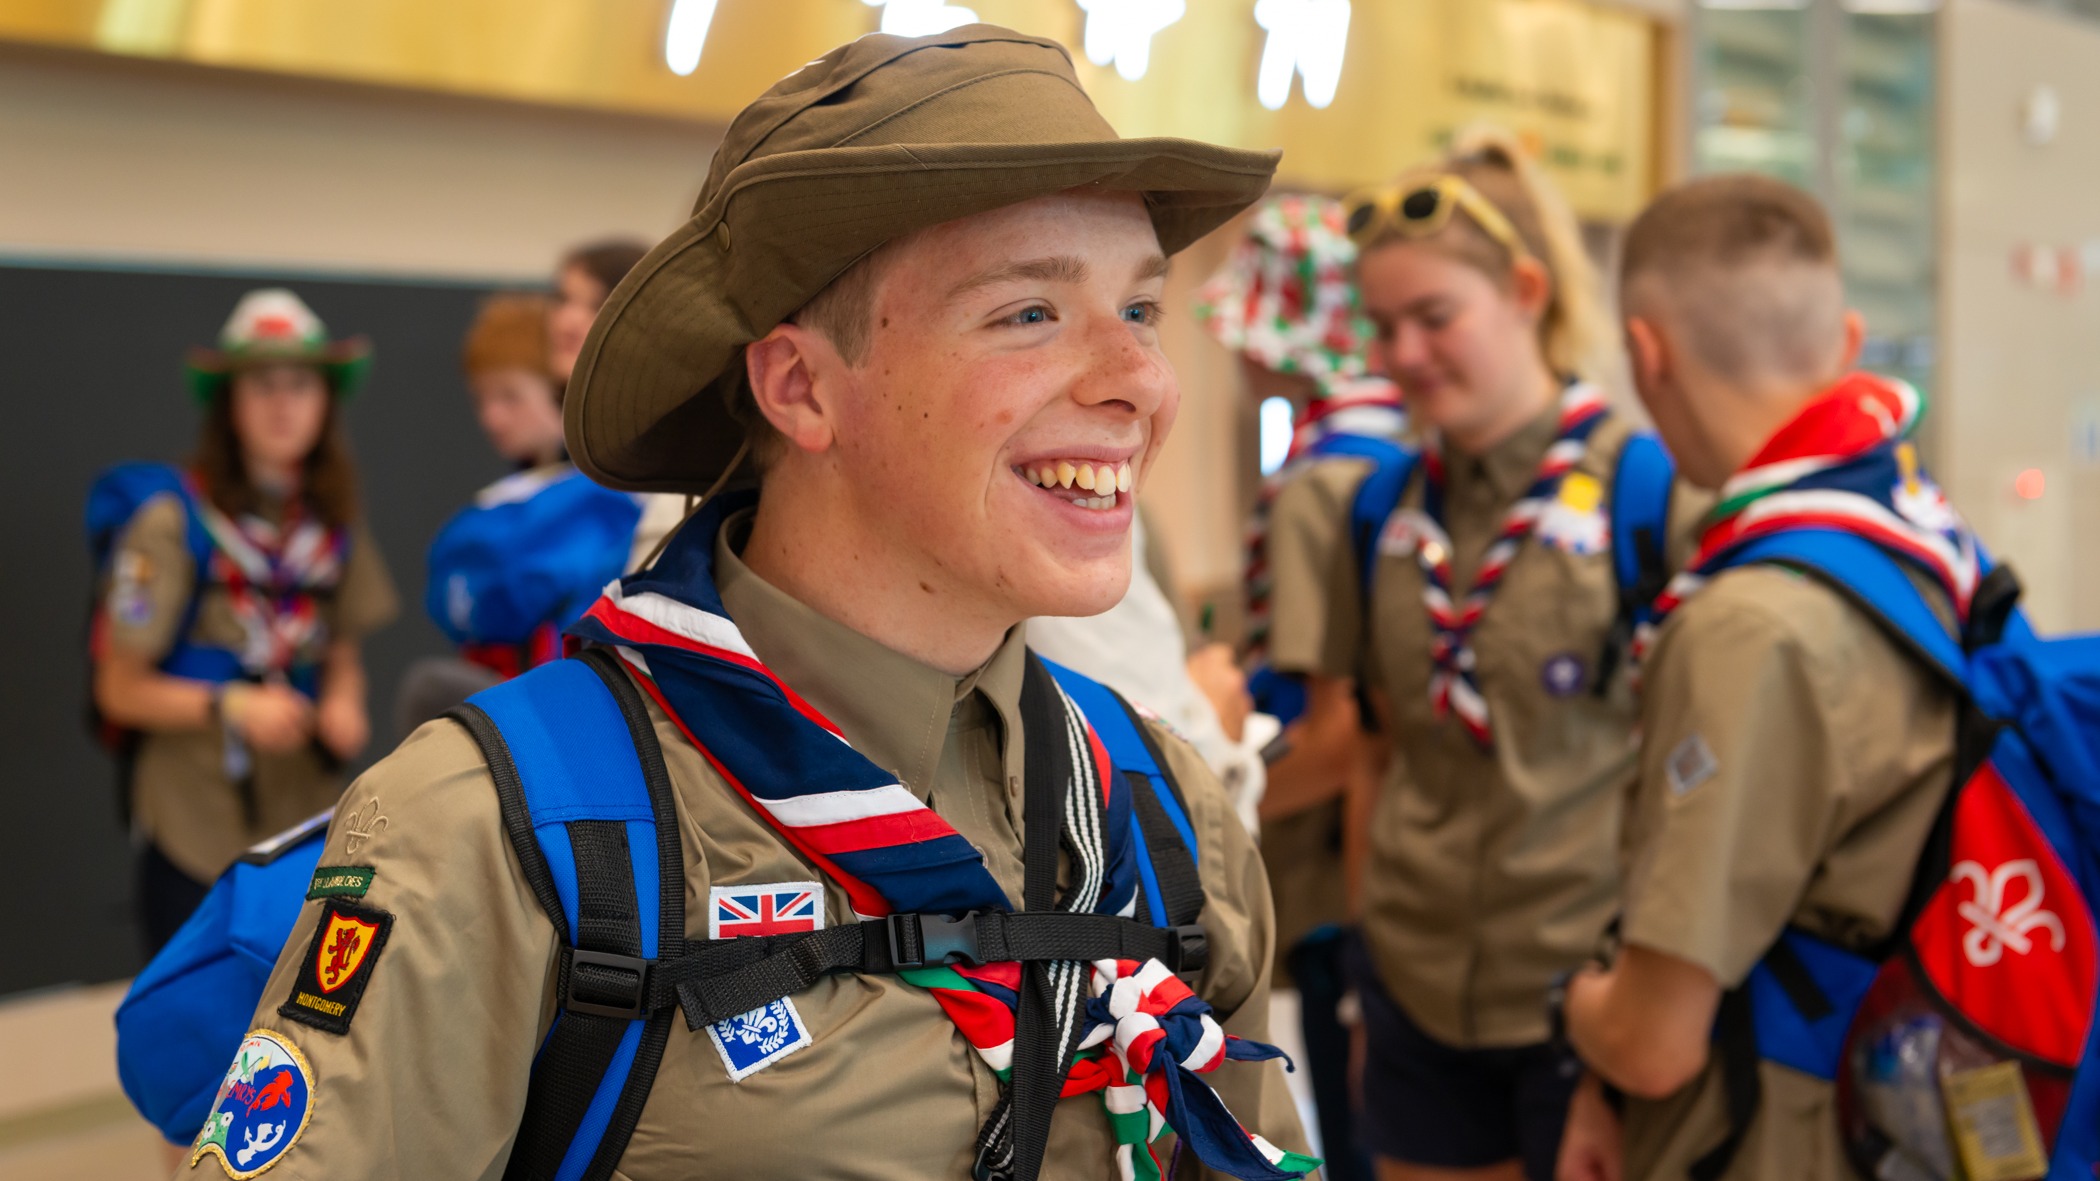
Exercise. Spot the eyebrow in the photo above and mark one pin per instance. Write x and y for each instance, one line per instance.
(1060, 268)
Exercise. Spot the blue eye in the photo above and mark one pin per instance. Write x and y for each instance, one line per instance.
(1142, 313)
(1032, 315)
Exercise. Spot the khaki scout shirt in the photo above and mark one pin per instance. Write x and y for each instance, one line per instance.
(182, 798)
(1304, 850)
(1794, 763)
(431, 1078)
(1492, 873)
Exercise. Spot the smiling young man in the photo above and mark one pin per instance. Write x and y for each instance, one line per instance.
(921, 288)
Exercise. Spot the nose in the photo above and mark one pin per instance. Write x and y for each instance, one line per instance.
(1407, 347)
(1125, 367)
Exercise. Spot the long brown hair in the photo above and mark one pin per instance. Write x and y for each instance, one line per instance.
(328, 485)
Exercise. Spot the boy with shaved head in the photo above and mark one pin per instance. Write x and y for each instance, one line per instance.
(1794, 757)
(807, 867)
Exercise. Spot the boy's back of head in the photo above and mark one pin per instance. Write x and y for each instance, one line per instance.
(1742, 269)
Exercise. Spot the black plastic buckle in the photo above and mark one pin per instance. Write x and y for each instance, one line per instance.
(625, 998)
(942, 939)
(1190, 950)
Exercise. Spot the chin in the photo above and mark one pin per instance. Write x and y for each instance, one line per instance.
(1077, 588)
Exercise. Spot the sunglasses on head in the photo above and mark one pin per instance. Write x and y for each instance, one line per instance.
(1420, 209)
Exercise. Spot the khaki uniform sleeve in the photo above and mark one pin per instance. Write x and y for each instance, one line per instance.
(1315, 598)
(1741, 777)
(429, 1078)
(151, 578)
(366, 601)
(1241, 928)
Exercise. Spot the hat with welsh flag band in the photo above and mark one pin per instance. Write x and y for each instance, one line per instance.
(272, 326)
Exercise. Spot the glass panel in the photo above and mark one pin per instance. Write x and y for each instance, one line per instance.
(1756, 103)
(1886, 202)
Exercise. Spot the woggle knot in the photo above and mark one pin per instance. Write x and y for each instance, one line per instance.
(1159, 1037)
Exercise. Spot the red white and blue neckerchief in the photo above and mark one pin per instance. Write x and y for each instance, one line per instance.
(1332, 427)
(274, 575)
(1844, 462)
(1142, 1037)
(1453, 684)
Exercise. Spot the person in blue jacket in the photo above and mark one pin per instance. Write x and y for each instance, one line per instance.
(523, 559)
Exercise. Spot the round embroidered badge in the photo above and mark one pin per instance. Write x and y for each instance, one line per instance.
(1564, 675)
(263, 1106)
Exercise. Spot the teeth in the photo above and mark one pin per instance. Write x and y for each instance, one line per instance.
(1107, 479)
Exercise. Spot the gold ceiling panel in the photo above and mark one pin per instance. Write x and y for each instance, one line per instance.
(1575, 79)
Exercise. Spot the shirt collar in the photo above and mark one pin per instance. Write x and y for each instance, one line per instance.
(1511, 466)
(891, 708)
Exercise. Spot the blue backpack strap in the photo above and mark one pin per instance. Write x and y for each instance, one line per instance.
(1873, 580)
(1166, 841)
(1640, 517)
(1392, 467)
(587, 804)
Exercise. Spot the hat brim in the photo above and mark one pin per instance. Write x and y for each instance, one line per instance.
(344, 364)
(648, 405)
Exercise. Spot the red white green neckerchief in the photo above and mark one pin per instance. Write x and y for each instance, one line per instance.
(1453, 684)
(1141, 1037)
(1844, 462)
(274, 574)
(1363, 408)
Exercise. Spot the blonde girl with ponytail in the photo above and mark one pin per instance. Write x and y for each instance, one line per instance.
(1488, 639)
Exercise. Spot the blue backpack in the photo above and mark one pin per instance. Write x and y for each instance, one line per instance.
(1640, 528)
(1968, 1045)
(527, 557)
(185, 1013)
(589, 826)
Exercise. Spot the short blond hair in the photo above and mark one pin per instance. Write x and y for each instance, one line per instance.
(1747, 267)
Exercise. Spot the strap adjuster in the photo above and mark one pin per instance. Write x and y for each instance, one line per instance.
(933, 939)
(1188, 949)
(613, 986)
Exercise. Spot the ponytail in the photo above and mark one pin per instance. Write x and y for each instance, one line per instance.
(1492, 160)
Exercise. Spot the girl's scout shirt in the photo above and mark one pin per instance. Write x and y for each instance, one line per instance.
(430, 1078)
(182, 797)
(1490, 872)
(1794, 763)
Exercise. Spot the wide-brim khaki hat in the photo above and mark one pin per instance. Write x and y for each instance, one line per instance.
(872, 141)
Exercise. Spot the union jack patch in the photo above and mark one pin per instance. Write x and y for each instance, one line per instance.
(776, 908)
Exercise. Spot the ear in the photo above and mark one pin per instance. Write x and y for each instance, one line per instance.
(1855, 339)
(791, 369)
(1531, 286)
(1648, 351)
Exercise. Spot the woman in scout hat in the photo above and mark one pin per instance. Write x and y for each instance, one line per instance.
(922, 277)
(238, 591)
(1474, 589)
(1286, 303)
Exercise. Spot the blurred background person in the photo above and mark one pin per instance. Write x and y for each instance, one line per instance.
(583, 279)
(235, 596)
(1487, 637)
(1286, 304)
(522, 561)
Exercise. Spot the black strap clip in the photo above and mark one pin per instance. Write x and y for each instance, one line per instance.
(917, 940)
(603, 984)
(1189, 950)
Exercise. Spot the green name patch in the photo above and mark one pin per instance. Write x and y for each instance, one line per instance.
(340, 881)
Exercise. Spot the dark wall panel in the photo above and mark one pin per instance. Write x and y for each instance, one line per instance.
(91, 365)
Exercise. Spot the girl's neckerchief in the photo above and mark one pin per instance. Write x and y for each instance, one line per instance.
(1332, 427)
(1140, 1035)
(1453, 684)
(1844, 462)
(274, 575)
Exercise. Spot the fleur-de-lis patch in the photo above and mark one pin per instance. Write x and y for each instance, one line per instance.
(361, 825)
(1997, 921)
